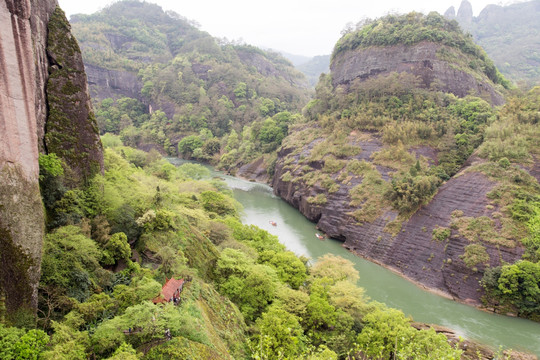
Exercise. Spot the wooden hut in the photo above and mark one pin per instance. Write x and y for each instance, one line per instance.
(170, 292)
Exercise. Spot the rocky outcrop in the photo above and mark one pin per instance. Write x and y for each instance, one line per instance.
(465, 13)
(106, 83)
(21, 114)
(450, 13)
(423, 60)
(71, 129)
(255, 171)
(266, 67)
(24, 65)
(412, 250)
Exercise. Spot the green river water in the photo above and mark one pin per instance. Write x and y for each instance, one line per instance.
(380, 284)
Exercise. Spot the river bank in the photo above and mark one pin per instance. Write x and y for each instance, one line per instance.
(381, 284)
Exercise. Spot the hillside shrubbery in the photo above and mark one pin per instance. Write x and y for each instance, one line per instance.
(144, 221)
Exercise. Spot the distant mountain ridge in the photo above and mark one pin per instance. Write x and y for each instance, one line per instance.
(509, 34)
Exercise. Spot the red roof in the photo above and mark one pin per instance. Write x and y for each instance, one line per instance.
(170, 287)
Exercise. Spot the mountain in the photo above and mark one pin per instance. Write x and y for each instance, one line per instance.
(295, 59)
(401, 156)
(509, 34)
(46, 118)
(178, 81)
(315, 67)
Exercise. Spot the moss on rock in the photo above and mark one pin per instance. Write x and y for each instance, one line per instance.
(71, 130)
(21, 234)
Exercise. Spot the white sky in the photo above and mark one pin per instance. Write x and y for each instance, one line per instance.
(301, 27)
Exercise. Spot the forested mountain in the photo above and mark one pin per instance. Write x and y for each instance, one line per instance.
(405, 172)
(509, 34)
(137, 55)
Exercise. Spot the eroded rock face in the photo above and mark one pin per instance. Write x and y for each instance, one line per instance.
(71, 128)
(21, 112)
(112, 83)
(423, 60)
(24, 73)
(412, 251)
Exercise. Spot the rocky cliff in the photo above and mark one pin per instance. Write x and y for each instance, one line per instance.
(427, 60)
(383, 161)
(412, 247)
(71, 130)
(24, 74)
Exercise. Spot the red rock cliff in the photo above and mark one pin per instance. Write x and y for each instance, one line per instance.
(24, 73)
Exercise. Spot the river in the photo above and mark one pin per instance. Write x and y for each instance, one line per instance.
(298, 235)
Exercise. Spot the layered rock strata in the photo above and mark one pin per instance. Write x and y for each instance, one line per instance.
(413, 251)
(426, 60)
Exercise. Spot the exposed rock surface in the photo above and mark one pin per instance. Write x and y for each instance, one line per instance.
(266, 67)
(21, 113)
(106, 83)
(71, 130)
(423, 60)
(465, 12)
(256, 171)
(24, 65)
(412, 251)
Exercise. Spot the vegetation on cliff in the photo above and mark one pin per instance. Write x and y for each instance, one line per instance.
(71, 130)
(509, 35)
(382, 147)
(512, 148)
(413, 28)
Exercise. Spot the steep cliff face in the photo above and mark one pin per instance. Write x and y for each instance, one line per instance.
(24, 65)
(383, 161)
(71, 128)
(413, 249)
(21, 214)
(426, 60)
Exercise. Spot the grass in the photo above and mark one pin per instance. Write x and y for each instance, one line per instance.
(440, 234)
(369, 197)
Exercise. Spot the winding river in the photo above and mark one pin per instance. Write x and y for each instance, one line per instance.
(380, 284)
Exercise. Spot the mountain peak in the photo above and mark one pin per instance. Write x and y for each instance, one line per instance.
(465, 12)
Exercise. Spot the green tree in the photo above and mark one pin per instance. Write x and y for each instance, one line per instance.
(189, 144)
(117, 248)
(218, 203)
(70, 260)
(519, 284)
(280, 333)
(289, 267)
(335, 268)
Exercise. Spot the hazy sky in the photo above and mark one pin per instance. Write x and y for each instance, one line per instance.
(302, 27)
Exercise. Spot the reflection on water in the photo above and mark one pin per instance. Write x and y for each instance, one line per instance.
(298, 234)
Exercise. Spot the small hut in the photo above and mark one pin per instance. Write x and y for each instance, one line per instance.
(170, 292)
